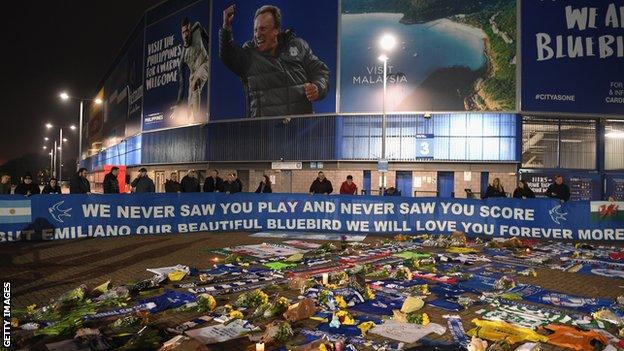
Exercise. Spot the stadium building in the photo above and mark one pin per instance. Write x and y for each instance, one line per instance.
(469, 98)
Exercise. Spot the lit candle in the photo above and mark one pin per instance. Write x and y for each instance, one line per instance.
(260, 346)
(325, 278)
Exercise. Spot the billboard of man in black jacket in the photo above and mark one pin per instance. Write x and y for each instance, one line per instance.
(280, 73)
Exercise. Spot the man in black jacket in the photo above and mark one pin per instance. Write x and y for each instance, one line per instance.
(79, 184)
(172, 185)
(190, 183)
(111, 183)
(143, 183)
(280, 74)
(558, 190)
(321, 185)
(27, 187)
(214, 183)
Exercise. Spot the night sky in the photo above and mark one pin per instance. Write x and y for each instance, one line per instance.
(49, 46)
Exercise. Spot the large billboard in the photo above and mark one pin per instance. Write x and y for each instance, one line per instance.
(573, 56)
(584, 186)
(449, 55)
(176, 69)
(286, 69)
(115, 104)
(134, 56)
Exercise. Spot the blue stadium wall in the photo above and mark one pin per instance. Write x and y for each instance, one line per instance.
(468, 137)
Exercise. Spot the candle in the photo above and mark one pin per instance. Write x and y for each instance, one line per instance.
(325, 278)
(260, 346)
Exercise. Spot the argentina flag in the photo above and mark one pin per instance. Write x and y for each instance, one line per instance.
(15, 211)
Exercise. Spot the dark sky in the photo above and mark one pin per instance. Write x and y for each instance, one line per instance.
(49, 46)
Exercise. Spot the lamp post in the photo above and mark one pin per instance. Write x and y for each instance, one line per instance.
(387, 43)
(65, 97)
(58, 151)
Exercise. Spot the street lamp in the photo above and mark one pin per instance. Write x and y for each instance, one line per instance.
(387, 42)
(58, 152)
(65, 97)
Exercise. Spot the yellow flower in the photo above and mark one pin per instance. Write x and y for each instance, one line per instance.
(365, 327)
(341, 302)
(30, 309)
(209, 301)
(331, 286)
(322, 347)
(345, 318)
(425, 319)
(236, 315)
(369, 293)
(14, 322)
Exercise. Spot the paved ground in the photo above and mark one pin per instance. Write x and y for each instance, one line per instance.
(40, 271)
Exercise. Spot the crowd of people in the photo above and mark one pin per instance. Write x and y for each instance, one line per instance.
(79, 184)
(557, 190)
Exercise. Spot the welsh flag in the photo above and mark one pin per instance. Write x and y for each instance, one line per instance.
(607, 211)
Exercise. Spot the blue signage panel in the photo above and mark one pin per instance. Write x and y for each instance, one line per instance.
(425, 146)
(572, 56)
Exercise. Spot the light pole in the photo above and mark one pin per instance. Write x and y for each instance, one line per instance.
(54, 157)
(387, 43)
(65, 97)
(58, 151)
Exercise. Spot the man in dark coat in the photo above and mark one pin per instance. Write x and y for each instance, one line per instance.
(214, 183)
(143, 183)
(558, 190)
(190, 183)
(111, 183)
(280, 74)
(79, 184)
(321, 185)
(172, 185)
(27, 187)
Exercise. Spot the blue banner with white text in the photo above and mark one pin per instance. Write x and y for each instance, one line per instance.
(56, 217)
(572, 54)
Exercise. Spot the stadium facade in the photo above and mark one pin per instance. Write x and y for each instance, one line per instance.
(470, 98)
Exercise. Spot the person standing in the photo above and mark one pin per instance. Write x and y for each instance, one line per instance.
(279, 71)
(348, 187)
(523, 191)
(321, 185)
(143, 183)
(214, 183)
(5, 185)
(265, 186)
(52, 187)
(558, 190)
(172, 185)
(232, 185)
(79, 184)
(27, 187)
(189, 182)
(495, 190)
(111, 183)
